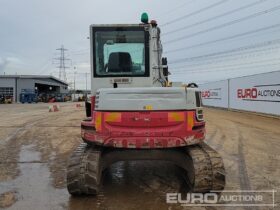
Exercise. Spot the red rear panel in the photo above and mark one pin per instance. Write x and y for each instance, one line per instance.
(150, 129)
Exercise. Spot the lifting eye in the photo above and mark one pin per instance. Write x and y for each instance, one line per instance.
(192, 85)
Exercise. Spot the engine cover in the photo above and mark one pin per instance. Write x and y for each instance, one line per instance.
(150, 98)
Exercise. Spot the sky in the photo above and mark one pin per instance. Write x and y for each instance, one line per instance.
(204, 40)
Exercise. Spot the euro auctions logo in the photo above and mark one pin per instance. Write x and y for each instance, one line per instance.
(266, 93)
(226, 198)
(211, 94)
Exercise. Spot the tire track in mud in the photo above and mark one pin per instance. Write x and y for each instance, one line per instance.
(213, 134)
(27, 126)
(10, 146)
(222, 138)
(101, 200)
(218, 146)
(23, 134)
(240, 148)
(20, 131)
(219, 143)
(244, 180)
(10, 149)
(9, 155)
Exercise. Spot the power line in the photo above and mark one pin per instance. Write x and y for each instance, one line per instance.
(248, 55)
(232, 65)
(85, 49)
(196, 12)
(225, 24)
(225, 69)
(248, 47)
(177, 7)
(226, 38)
(216, 17)
(253, 51)
(62, 63)
(233, 57)
(180, 68)
(44, 66)
(82, 51)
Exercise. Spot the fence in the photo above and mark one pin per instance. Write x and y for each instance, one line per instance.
(256, 93)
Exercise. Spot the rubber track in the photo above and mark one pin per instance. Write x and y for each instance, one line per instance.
(208, 169)
(84, 171)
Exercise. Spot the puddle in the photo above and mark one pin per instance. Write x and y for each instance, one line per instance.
(133, 185)
(126, 185)
(33, 186)
(28, 154)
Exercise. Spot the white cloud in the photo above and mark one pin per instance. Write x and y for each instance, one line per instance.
(9, 64)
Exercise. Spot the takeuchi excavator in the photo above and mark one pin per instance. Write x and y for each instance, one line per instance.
(134, 114)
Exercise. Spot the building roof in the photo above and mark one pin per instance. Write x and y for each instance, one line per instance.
(34, 77)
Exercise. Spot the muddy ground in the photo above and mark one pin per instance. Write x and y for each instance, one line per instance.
(35, 146)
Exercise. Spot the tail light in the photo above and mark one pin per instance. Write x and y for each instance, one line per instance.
(112, 117)
(98, 121)
(176, 117)
(190, 120)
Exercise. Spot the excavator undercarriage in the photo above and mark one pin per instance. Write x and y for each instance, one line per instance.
(203, 166)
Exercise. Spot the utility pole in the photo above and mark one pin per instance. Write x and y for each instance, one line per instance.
(62, 63)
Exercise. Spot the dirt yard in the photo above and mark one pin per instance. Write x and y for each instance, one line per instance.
(35, 146)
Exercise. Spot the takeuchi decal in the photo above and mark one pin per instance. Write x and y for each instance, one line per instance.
(211, 94)
(266, 93)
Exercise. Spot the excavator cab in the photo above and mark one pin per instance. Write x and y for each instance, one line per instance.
(126, 56)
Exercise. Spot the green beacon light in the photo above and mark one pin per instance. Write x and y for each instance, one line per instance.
(144, 18)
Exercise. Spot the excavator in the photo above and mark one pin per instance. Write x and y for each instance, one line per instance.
(136, 114)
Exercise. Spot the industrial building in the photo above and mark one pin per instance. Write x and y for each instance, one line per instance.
(14, 85)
